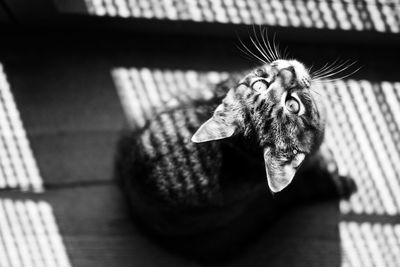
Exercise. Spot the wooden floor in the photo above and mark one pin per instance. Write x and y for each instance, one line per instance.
(70, 109)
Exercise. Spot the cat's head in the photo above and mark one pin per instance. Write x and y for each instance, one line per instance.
(276, 106)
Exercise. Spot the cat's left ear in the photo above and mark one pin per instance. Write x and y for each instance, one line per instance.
(281, 172)
(219, 126)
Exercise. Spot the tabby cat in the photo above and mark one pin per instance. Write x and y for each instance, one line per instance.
(207, 175)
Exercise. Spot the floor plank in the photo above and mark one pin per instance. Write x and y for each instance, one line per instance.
(64, 93)
(75, 157)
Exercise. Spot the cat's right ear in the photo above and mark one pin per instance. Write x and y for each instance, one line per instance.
(281, 172)
(219, 126)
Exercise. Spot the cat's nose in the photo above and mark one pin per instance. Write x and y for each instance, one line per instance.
(288, 76)
(294, 77)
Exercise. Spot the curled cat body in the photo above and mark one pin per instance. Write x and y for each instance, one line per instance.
(217, 170)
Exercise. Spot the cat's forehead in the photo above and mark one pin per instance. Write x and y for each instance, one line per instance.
(283, 64)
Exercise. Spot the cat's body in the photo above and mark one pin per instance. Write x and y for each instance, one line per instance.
(187, 182)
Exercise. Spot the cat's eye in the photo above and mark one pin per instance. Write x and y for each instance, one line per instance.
(293, 105)
(260, 85)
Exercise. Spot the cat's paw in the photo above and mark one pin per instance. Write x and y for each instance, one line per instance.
(346, 186)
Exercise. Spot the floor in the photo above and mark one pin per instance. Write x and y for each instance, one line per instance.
(68, 209)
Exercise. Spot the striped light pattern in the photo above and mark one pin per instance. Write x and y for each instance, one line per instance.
(370, 244)
(377, 15)
(29, 235)
(18, 168)
(364, 134)
(144, 91)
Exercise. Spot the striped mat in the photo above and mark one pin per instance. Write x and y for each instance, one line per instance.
(375, 15)
(363, 131)
(28, 231)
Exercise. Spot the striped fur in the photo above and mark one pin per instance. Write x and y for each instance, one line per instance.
(186, 173)
(258, 109)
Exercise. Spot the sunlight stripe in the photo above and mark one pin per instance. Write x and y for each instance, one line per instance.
(370, 244)
(29, 236)
(347, 143)
(365, 147)
(374, 126)
(17, 232)
(18, 168)
(143, 91)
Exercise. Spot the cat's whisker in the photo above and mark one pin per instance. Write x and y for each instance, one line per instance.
(250, 56)
(329, 67)
(310, 69)
(334, 68)
(259, 49)
(270, 46)
(276, 47)
(324, 68)
(324, 80)
(340, 71)
(247, 55)
(343, 65)
(285, 53)
(249, 52)
(343, 77)
(264, 52)
(264, 36)
(315, 91)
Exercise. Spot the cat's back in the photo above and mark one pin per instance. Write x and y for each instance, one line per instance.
(177, 187)
(165, 164)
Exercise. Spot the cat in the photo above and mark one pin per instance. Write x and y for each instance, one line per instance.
(205, 176)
